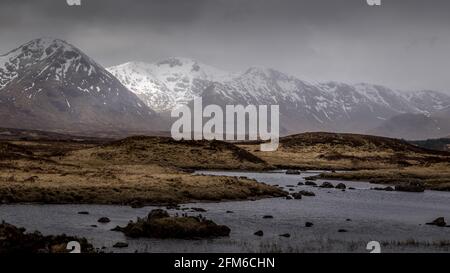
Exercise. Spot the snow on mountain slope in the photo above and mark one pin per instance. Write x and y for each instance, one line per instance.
(48, 84)
(304, 106)
(164, 84)
(428, 101)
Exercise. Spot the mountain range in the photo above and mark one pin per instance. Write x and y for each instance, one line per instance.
(49, 84)
(304, 106)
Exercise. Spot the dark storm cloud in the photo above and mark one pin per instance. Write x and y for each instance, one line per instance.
(403, 43)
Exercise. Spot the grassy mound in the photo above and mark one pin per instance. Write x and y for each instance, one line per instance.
(158, 224)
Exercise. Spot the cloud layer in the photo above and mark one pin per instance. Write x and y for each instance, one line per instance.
(404, 43)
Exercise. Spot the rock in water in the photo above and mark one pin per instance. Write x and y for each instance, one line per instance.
(440, 222)
(158, 224)
(383, 189)
(327, 185)
(104, 220)
(297, 196)
(309, 224)
(413, 186)
(341, 186)
(120, 245)
(259, 233)
(307, 193)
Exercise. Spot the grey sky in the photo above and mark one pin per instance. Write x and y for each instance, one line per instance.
(402, 44)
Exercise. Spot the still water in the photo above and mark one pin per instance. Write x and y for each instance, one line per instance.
(395, 219)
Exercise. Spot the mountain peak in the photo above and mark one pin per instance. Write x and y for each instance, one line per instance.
(177, 61)
(73, 90)
(261, 70)
(42, 47)
(47, 42)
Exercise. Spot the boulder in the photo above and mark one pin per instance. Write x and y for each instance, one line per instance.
(286, 235)
(297, 196)
(383, 189)
(267, 217)
(158, 224)
(341, 186)
(104, 220)
(120, 245)
(413, 186)
(300, 184)
(440, 222)
(327, 185)
(307, 193)
(259, 233)
(310, 183)
(309, 224)
(83, 212)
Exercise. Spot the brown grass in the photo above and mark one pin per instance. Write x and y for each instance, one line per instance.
(166, 152)
(368, 158)
(127, 172)
(435, 177)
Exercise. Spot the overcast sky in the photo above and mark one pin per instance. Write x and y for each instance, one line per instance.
(403, 44)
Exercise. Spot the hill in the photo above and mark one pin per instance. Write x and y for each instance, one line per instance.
(165, 151)
(344, 152)
(414, 127)
(362, 157)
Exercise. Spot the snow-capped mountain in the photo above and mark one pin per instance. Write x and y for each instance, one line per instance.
(165, 84)
(50, 84)
(305, 106)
